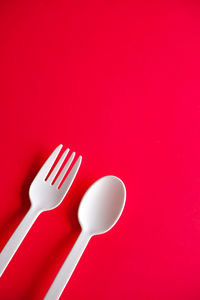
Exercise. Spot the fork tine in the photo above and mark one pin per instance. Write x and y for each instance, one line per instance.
(70, 178)
(64, 170)
(42, 174)
(57, 167)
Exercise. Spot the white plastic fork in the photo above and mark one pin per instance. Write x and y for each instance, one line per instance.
(45, 194)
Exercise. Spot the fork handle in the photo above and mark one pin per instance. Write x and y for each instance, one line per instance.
(17, 238)
(68, 267)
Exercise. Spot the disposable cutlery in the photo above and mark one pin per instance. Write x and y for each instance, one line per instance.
(46, 192)
(99, 210)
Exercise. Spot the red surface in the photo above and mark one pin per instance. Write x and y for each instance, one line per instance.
(118, 82)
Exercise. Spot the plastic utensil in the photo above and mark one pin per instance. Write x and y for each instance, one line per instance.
(99, 210)
(45, 194)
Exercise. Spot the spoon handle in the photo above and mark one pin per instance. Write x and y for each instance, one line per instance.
(16, 239)
(67, 268)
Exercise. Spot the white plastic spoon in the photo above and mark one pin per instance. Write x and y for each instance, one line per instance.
(100, 209)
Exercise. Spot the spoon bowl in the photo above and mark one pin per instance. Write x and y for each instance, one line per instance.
(102, 205)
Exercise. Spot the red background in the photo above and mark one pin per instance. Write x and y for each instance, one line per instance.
(119, 83)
